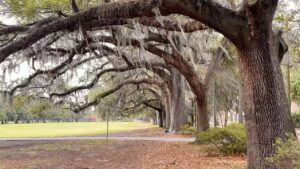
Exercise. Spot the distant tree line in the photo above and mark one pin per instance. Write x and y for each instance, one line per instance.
(31, 110)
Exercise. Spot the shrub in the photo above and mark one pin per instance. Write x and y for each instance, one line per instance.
(210, 150)
(296, 119)
(287, 154)
(187, 130)
(229, 140)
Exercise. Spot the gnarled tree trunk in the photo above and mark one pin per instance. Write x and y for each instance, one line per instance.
(177, 116)
(265, 102)
(202, 116)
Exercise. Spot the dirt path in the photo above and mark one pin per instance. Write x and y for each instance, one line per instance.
(124, 138)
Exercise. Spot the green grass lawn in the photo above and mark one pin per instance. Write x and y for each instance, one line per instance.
(67, 129)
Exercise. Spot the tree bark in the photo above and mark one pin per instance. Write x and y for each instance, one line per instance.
(202, 116)
(265, 103)
(226, 118)
(168, 111)
(160, 119)
(177, 116)
(164, 117)
(240, 105)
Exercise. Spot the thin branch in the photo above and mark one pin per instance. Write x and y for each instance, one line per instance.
(113, 90)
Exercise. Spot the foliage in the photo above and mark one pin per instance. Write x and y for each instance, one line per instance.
(295, 87)
(187, 130)
(28, 109)
(38, 109)
(229, 140)
(296, 119)
(210, 150)
(4, 113)
(287, 154)
(34, 9)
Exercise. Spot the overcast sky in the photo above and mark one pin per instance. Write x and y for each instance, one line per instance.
(8, 20)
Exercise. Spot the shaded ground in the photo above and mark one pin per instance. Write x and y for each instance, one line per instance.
(112, 155)
(116, 138)
(97, 154)
(150, 132)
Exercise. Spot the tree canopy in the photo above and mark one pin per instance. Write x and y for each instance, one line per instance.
(179, 60)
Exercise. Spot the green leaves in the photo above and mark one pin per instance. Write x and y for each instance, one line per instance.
(287, 154)
(33, 9)
(295, 87)
(229, 140)
(296, 119)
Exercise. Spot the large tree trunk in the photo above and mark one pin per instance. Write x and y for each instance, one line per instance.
(178, 117)
(168, 112)
(164, 119)
(265, 102)
(240, 105)
(202, 116)
(160, 119)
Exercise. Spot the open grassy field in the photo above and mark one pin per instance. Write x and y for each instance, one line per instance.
(67, 129)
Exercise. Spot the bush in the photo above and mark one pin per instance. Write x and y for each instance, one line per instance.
(287, 154)
(229, 140)
(296, 119)
(187, 130)
(210, 150)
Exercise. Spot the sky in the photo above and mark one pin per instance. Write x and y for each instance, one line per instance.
(8, 20)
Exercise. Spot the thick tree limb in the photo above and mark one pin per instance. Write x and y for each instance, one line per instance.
(12, 29)
(207, 12)
(169, 25)
(175, 60)
(111, 10)
(211, 14)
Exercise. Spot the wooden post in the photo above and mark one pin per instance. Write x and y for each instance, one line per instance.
(107, 124)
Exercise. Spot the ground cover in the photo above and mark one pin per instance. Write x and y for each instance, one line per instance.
(67, 129)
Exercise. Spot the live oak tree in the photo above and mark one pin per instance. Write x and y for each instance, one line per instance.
(259, 48)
